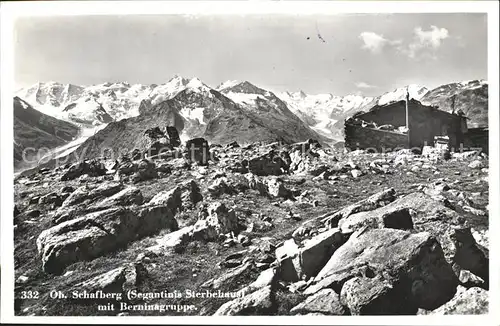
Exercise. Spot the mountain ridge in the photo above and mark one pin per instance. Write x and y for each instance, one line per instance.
(321, 113)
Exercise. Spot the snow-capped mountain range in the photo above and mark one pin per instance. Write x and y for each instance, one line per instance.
(100, 104)
(325, 112)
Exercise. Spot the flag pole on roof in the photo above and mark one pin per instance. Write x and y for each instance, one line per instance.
(407, 114)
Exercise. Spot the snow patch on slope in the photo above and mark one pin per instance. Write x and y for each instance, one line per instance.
(194, 114)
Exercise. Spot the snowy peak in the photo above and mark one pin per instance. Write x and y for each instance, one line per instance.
(195, 84)
(174, 86)
(470, 97)
(415, 92)
(86, 111)
(300, 94)
(246, 88)
(50, 93)
(322, 111)
(178, 81)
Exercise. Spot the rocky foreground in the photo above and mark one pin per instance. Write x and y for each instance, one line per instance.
(277, 229)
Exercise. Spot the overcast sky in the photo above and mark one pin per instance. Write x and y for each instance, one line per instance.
(366, 54)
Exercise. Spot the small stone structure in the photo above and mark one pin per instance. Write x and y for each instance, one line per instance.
(394, 126)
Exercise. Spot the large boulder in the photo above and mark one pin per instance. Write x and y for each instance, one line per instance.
(85, 238)
(154, 218)
(413, 262)
(92, 168)
(97, 233)
(374, 296)
(91, 193)
(197, 150)
(271, 163)
(184, 196)
(127, 197)
(306, 146)
(170, 198)
(415, 210)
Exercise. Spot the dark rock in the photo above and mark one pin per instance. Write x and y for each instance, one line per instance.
(468, 280)
(197, 150)
(230, 263)
(146, 170)
(191, 194)
(33, 200)
(136, 154)
(468, 254)
(306, 146)
(413, 261)
(16, 211)
(93, 168)
(156, 142)
(154, 133)
(184, 196)
(238, 167)
(164, 168)
(397, 218)
(67, 189)
(126, 168)
(374, 296)
(220, 187)
(52, 198)
(270, 163)
(234, 144)
(173, 136)
(152, 219)
(32, 213)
